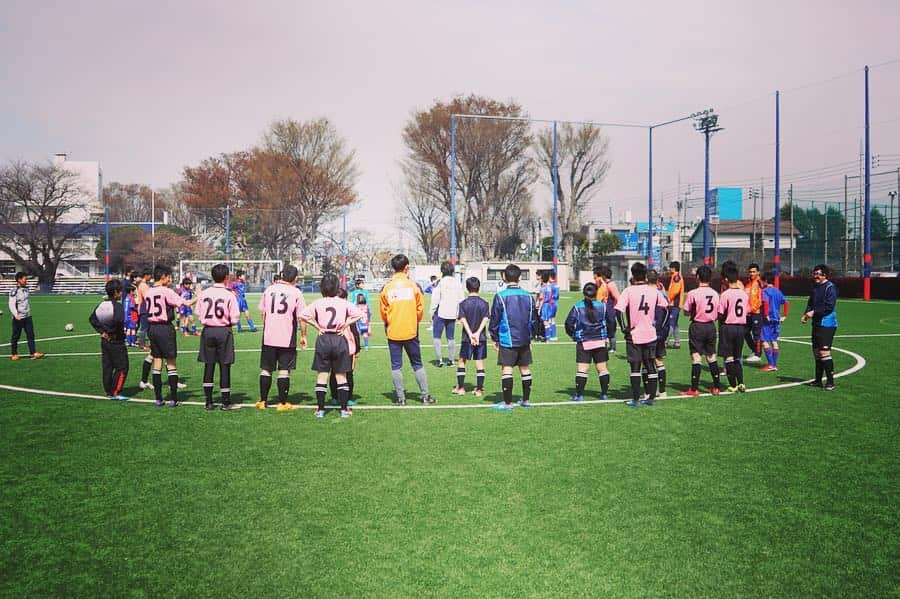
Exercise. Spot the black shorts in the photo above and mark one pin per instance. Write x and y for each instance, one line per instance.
(586, 356)
(514, 356)
(273, 358)
(467, 351)
(216, 346)
(822, 337)
(702, 338)
(332, 354)
(731, 340)
(640, 353)
(162, 340)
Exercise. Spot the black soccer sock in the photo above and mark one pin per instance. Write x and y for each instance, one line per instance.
(604, 383)
(157, 384)
(479, 379)
(714, 371)
(652, 379)
(729, 372)
(207, 392)
(526, 387)
(661, 372)
(460, 376)
(225, 382)
(284, 384)
(820, 369)
(636, 382)
(828, 365)
(208, 371)
(646, 381)
(333, 386)
(145, 370)
(506, 383)
(695, 376)
(580, 383)
(173, 385)
(739, 372)
(321, 390)
(265, 384)
(350, 384)
(343, 395)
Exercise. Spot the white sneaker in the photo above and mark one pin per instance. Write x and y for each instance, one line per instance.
(661, 395)
(182, 385)
(752, 358)
(144, 385)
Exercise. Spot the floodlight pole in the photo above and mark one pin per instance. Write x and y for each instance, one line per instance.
(707, 124)
(776, 259)
(344, 254)
(555, 200)
(227, 234)
(453, 189)
(867, 260)
(106, 233)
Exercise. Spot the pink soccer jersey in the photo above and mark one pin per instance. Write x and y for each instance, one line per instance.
(734, 304)
(330, 313)
(638, 303)
(217, 307)
(158, 300)
(702, 304)
(281, 304)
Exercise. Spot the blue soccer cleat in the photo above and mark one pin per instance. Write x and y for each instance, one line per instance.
(633, 404)
(648, 402)
(502, 406)
(577, 398)
(524, 403)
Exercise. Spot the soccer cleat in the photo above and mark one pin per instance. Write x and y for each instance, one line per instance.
(604, 397)
(768, 368)
(346, 413)
(829, 386)
(661, 395)
(648, 402)
(319, 414)
(171, 404)
(252, 329)
(633, 404)
(752, 358)
(458, 391)
(209, 406)
(118, 398)
(226, 407)
(182, 385)
(14, 357)
(677, 345)
(262, 405)
(351, 403)
(714, 391)
(478, 392)
(158, 403)
(401, 402)
(286, 407)
(731, 389)
(524, 403)
(502, 406)
(692, 393)
(814, 384)
(427, 399)
(145, 385)
(742, 388)
(37, 355)
(577, 398)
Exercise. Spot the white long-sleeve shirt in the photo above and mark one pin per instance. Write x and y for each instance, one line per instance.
(19, 305)
(445, 298)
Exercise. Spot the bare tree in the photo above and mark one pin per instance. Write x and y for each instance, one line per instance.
(494, 172)
(38, 203)
(583, 159)
(428, 221)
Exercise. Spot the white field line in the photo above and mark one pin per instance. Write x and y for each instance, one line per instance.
(859, 365)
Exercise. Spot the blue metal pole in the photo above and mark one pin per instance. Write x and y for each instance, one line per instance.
(227, 234)
(706, 256)
(106, 227)
(867, 260)
(452, 190)
(650, 197)
(555, 200)
(776, 259)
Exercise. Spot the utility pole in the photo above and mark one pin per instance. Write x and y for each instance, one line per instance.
(893, 195)
(825, 214)
(791, 201)
(847, 226)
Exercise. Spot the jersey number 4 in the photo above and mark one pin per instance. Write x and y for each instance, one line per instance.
(644, 306)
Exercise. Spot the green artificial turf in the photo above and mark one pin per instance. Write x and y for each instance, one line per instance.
(786, 492)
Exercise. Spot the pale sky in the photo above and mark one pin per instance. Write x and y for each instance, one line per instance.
(147, 88)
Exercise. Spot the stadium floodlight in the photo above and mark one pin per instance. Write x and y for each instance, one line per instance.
(707, 123)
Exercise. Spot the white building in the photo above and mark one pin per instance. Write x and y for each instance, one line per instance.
(90, 180)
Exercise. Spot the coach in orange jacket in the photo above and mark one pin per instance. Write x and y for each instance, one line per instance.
(401, 308)
(675, 293)
(754, 289)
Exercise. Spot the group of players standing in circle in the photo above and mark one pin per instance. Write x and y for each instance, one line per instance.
(644, 311)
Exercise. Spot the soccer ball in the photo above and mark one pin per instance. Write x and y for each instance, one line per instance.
(70, 326)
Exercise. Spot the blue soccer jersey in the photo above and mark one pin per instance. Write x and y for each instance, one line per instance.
(773, 300)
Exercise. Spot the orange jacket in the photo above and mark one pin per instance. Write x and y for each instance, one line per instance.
(675, 292)
(401, 307)
(754, 290)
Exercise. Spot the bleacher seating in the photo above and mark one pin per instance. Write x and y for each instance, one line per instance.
(63, 286)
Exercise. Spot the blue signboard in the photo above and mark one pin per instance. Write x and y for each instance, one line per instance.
(726, 203)
(629, 241)
(664, 228)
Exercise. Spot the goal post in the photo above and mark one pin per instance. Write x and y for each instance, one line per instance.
(257, 273)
